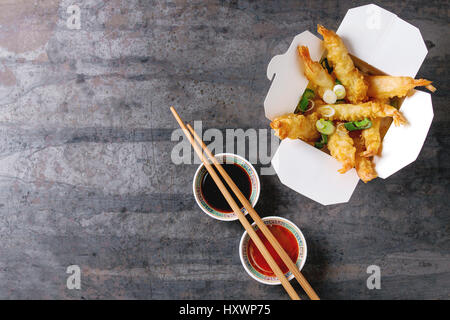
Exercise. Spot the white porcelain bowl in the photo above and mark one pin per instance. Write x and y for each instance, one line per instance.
(245, 259)
(226, 158)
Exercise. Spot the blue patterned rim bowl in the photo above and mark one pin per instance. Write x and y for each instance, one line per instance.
(302, 252)
(228, 158)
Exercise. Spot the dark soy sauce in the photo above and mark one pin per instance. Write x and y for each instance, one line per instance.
(212, 195)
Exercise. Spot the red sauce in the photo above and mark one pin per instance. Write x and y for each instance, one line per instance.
(286, 239)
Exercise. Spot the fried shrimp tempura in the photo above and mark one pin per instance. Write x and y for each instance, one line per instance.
(354, 112)
(296, 126)
(364, 166)
(344, 69)
(371, 138)
(382, 87)
(315, 73)
(341, 148)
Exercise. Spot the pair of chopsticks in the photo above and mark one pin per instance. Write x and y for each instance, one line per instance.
(200, 148)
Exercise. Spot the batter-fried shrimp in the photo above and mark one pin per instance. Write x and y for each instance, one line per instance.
(371, 138)
(364, 166)
(381, 87)
(355, 112)
(296, 126)
(344, 69)
(315, 73)
(381, 100)
(341, 148)
(318, 103)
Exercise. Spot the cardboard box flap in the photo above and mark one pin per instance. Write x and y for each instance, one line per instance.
(402, 145)
(383, 40)
(289, 83)
(313, 173)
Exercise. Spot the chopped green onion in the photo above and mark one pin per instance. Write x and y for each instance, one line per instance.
(339, 90)
(338, 82)
(304, 101)
(324, 138)
(326, 65)
(329, 96)
(323, 141)
(358, 125)
(325, 126)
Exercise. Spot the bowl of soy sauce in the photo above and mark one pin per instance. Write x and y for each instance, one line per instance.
(208, 196)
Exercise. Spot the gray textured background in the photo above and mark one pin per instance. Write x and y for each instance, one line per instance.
(85, 170)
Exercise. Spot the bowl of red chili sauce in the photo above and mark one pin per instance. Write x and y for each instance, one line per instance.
(290, 238)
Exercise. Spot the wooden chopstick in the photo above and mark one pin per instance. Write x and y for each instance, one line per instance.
(245, 223)
(259, 222)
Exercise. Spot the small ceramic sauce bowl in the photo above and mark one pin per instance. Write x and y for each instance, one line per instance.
(251, 266)
(226, 158)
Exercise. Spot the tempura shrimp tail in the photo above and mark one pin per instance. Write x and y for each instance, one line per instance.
(390, 111)
(319, 77)
(424, 83)
(341, 148)
(431, 88)
(347, 165)
(421, 83)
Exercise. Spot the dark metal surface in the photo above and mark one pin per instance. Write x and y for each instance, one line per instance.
(86, 176)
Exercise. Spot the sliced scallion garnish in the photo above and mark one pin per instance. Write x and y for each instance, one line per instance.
(305, 100)
(323, 141)
(358, 125)
(325, 126)
(340, 91)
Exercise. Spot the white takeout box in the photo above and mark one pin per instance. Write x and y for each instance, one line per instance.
(387, 43)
